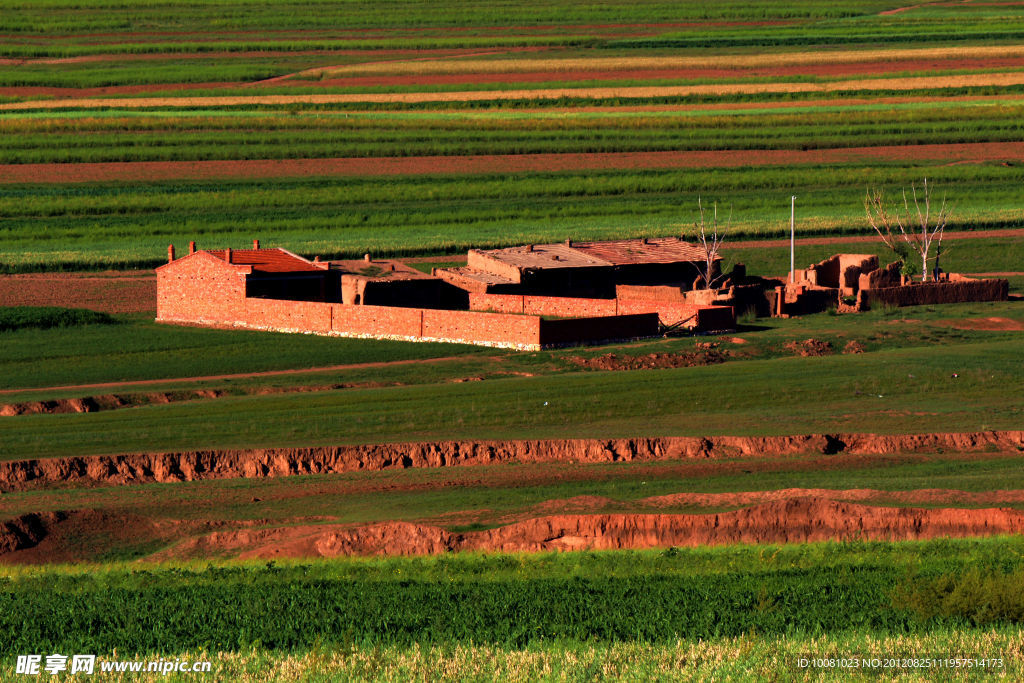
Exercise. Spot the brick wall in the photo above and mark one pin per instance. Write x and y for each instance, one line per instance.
(604, 328)
(563, 307)
(279, 314)
(669, 303)
(475, 328)
(200, 289)
(377, 321)
(959, 291)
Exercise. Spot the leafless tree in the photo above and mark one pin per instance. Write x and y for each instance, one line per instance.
(908, 238)
(711, 239)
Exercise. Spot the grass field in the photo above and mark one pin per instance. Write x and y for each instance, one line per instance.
(865, 394)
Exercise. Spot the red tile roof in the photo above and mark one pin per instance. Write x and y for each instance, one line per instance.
(272, 260)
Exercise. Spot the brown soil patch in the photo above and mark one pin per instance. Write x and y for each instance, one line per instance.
(694, 74)
(125, 292)
(706, 353)
(809, 347)
(18, 475)
(501, 163)
(798, 520)
(853, 346)
(988, 324)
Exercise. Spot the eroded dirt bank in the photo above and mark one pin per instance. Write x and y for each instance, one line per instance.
(787, 521)
(19, 475)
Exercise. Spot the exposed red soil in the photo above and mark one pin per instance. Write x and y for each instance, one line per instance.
(124, 292)
(851, 239)
(785, 521)
(240, 375)
(788, 104)
(501, 163)
(592, 504)
(853, 346)
(809, 347)
(137, 468)
(993, 324)
(691, 74)
(706, 353)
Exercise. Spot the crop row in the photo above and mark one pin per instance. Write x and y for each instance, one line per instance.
(68, 226)
(238, 607)
(247, 139)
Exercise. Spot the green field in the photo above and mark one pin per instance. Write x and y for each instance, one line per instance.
(865, 394)
(804, 592)
(745, 103)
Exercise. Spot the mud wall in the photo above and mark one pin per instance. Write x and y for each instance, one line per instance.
(269, 462)
(955, 292)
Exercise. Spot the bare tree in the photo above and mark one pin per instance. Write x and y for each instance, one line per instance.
(711, 241)
(908, 238)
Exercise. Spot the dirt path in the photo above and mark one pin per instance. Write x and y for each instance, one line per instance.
(209, 378)
(980, 152)
(852, 239)
(869, 84)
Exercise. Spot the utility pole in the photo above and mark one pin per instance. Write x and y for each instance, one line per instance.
(792, 237)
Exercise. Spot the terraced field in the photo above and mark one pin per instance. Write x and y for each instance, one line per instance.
(118, 137)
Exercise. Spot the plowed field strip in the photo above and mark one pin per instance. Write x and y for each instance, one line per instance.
(641, 92)
(499, 163)
(759, 61)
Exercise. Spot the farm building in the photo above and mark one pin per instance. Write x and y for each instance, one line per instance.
(853, 282)
(582, 269)
(526, 297)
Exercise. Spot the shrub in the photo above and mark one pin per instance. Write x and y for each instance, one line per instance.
(45, 317)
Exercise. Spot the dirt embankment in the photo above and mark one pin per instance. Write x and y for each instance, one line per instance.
(139, 468)
(786, 521)
(93, 404)
(27, 531)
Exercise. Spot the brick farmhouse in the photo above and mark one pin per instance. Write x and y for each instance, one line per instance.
(527, 297)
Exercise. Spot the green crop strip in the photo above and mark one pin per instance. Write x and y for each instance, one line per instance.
(517, 600)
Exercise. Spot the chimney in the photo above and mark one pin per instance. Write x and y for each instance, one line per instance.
(316, 259)
(644, 240)
(366, 257)
(192, 247)
(227, 254)
(256, 245)
(568, 242)
(529, 247)
(170, 253)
